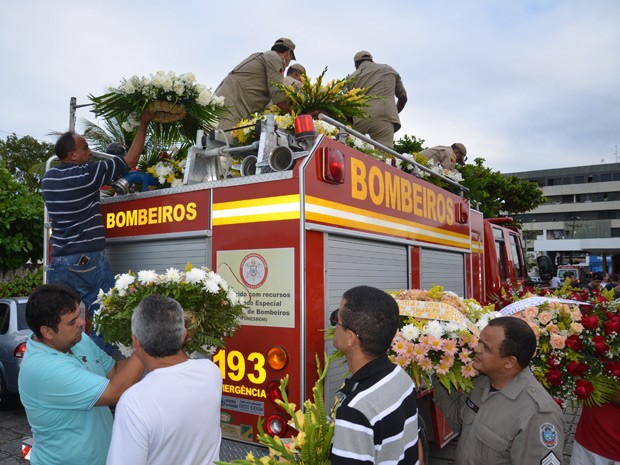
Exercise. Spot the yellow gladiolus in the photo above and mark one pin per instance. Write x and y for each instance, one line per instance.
(299, 420)
(299, 439)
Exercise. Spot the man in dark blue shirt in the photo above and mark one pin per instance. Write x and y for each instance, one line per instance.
(71, 191)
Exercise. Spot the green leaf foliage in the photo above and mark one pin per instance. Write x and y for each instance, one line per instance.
(21, 222)
(499, 195)
(409, 144)
(25, 158)
(22, 285)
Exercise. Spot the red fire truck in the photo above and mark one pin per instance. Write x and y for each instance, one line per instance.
(316, 218)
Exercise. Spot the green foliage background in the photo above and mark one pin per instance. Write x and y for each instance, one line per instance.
(21, 222)
(22, 285)
(489, 191)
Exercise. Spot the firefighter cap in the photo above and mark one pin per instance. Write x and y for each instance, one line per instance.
(288, 43)
(298, 67)
(362, 55)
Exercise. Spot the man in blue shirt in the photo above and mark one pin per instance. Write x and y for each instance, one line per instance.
(66, 382)
(71, 191)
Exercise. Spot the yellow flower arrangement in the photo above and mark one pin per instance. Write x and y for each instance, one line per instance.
(338, 98)
(315, 430)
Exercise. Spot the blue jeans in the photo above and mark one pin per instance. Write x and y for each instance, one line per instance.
(85, 279)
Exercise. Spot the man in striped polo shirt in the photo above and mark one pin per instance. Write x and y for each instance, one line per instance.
(377, 421)
(71, 191)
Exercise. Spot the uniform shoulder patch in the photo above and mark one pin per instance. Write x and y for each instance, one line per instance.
(550, 459)
(548, 435)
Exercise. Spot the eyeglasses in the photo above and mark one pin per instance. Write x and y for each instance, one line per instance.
(333, 319)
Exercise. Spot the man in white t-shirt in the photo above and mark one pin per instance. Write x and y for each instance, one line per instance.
(172, 416)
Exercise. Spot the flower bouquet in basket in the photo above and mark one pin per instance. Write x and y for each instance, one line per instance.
(578, 355)
(314, 426)
(212, 308)
(179, 103)
(438, 333)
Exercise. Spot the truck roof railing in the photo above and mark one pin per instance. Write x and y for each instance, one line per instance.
(418, 167)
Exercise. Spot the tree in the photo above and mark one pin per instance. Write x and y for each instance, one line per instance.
(499, 195)
(25, 157)
(409, 144)
(489, 191)
(21, 222)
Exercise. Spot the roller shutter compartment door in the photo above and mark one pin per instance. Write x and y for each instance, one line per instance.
(159, 254)
(447, 269)
(354, 262)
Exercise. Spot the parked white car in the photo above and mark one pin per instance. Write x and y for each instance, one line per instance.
(14, 333)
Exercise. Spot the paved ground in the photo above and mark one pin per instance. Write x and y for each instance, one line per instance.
(14, 427)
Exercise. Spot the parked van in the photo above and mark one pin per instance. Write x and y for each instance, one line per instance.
(581, 271)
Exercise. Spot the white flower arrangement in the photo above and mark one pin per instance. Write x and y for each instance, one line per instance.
(212, 308)
(176, 99)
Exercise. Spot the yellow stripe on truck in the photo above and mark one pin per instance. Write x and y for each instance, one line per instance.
(339, 214)
(287, 207)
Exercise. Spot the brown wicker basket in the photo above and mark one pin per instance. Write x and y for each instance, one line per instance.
(167, 112)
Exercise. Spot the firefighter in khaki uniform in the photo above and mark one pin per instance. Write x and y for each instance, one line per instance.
(250, 86)
(293, 75)
(383, 82)
(509, 417)
(447, 157)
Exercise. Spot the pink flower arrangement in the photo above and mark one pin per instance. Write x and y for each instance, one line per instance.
(445, 348)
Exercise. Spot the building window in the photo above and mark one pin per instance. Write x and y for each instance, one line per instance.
(605, 177)
(591, 178)
(579, 179)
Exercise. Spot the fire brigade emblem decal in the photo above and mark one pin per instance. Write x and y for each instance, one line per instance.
(253, 270)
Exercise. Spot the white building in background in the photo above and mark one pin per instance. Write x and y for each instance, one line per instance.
(582, 217)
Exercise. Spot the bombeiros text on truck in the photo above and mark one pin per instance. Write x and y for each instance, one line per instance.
(308, 218)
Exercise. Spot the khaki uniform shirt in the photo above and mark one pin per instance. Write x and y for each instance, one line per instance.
(443, 155)
(290, 81)
(384, 82)
(250, 87)
(519, 425)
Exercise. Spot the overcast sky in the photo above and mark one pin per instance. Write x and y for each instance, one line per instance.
(523, 84)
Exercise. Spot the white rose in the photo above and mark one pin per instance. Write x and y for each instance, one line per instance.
(434, 328)
(123, 282)
(205, 98)
(189, 78)
(411, 332)
(173, 275)
(211, 286)
(195, 276)
(147, 277)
